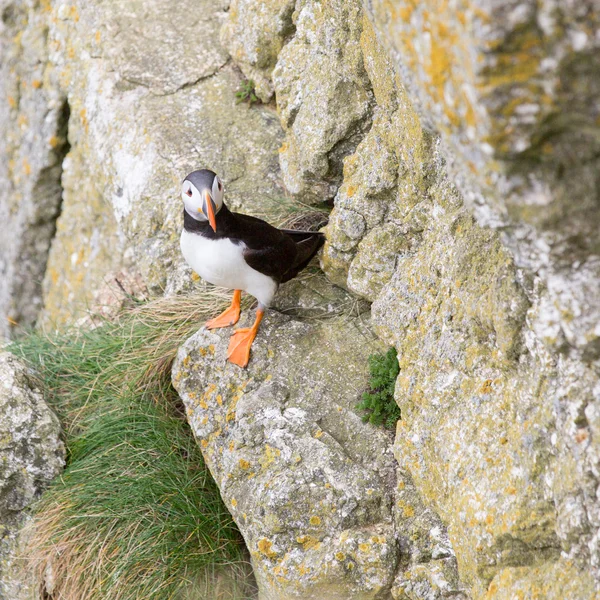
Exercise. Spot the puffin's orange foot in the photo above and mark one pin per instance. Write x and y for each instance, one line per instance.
(228, 317)
(238, 352)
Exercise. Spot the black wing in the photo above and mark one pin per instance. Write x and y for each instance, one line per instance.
(268, 250)
(277, 253)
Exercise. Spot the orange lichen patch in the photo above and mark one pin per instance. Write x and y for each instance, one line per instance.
(233, 502)
(12, 102)
(265, 547)
(244, 464)
(74, 14)
(204, 443)
(364, 547)
(98, 36)
(269, 456)
(581, 436)
(195, 276)
(511, 489)
(54, 141)
(186, 362)
(405, 12)
(314, 520)
(351, 190)
(230, 416)
(84, 119)
(340, 556)
(319, 433)
(308, 541)
(489, 520)
(26, 167)
(486, 388)
(36, 83)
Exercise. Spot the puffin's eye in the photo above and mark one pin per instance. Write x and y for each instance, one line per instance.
(189, 193)
(220, 186)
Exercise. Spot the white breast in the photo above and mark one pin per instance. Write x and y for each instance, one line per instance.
(221, 262)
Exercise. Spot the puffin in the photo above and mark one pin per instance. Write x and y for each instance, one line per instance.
(239, 252)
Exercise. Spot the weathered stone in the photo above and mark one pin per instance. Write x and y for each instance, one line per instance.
(490, 418)
(511, 88)
(33, 123)
(323, 96)
(254, 33)
(308, 483)
(31, 455)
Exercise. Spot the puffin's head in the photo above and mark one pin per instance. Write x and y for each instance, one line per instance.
(202, 195)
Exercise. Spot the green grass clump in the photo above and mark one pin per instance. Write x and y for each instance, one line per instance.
(246, 92)
(136, 513)
(378, 403)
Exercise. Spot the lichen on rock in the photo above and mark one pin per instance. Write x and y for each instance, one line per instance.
(323, 96)
(31, 455)
(308, 483)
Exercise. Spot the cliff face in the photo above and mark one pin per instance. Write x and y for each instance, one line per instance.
(459, 145)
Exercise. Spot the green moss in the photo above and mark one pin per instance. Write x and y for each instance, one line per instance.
(378, 403)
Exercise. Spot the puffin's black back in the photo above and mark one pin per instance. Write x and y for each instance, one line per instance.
(278, 253)
(307, 245)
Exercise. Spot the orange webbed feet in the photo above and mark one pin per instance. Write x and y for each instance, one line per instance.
(240, 342)
(228, 317)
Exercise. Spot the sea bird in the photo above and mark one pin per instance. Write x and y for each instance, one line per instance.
(238, 252)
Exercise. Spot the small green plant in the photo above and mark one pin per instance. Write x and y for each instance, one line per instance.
(378, 403)
(247, 93)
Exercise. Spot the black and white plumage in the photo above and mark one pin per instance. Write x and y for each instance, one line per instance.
(238, 251)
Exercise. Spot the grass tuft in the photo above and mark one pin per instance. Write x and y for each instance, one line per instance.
(378, 403)
(136, 513)
(247, 93)
(289, 213)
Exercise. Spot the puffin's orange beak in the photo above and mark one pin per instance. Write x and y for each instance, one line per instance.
(210, 211)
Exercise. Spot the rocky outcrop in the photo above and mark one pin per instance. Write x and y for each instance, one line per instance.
(460, 148)
(510, 88)
(31, 455)
(486, 112)
(313, 489)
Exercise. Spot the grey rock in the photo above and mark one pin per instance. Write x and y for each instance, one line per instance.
(33, 129)
(152, 97)
(308, 483)
(31, 456)
(323, 96)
